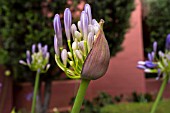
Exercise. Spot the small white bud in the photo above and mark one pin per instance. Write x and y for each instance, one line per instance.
(79, 55)
(73, 29)
(74, 46)
(64, 56)
(90, 28)
(79, 26)
(94, 22)
(71, 63)
(70, 55)
(78, 35)
(96, 29)
(81, 46)
(90, 41)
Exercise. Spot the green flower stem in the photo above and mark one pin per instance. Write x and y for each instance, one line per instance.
(35, 91)
(158, 98)
(80, 96)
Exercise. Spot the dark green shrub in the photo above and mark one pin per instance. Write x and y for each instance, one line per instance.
(157, 20)
(23, 23)
(116, 14)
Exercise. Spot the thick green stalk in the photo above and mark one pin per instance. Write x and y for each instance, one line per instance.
(35, 91)
(158, 98)
(80, 96)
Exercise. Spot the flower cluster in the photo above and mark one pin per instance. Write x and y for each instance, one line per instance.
(88, 54)
(38, 60)
(158, 62)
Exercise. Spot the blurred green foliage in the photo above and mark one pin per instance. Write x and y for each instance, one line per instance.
(136, 108)
(157, 20)
(23, 23)
(116, 14)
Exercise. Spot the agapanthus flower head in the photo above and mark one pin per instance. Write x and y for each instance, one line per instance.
(88, 55)
(37, 60)
(157, 62)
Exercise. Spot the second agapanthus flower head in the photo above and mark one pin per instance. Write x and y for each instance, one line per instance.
(157, 62)
(88, 55)
(38, 59)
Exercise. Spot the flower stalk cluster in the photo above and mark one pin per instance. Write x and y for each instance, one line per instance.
(88, 55)
(37, 61)
(158, 62)
(81, 41)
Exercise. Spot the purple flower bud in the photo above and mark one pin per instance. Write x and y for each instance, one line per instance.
(150, 64)
(33, 48)
(44, 50)
(141, 67)
(155, 46)
(84, 24)
(67, 22)
(150, 57)
(56, 48)
(58, 29)
(39, 46)
(87, 9)
(167, 45)
(28, 57)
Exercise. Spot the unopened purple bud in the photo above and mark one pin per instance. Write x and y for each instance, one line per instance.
(87, 9)
(155, 46)
(33, 48)
(56, 48)
(39, 46)
(67, 22)
(84, 24)
(44, 50)
(167, 45)
(28, 57)
(58, 29)
(141, 67)
(150, 64)
(47, 55)
(150, 57)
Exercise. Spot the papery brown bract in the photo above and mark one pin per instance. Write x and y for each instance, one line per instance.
(97, 61)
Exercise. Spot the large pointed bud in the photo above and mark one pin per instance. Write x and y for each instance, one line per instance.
(87, 9)
(67, 22)
(97, 61)
(58, 29)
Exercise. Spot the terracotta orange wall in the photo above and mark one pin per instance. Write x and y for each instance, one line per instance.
(6, 97)
(122, 76)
